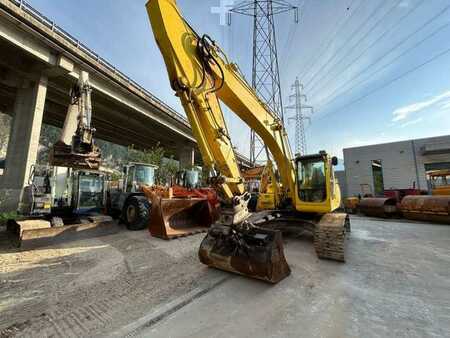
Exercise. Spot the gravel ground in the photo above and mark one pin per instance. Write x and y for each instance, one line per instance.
(394, 284)
(91, 287)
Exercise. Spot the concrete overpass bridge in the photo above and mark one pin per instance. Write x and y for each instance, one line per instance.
(39, 62)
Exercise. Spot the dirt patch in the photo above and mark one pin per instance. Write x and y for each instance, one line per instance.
(91, 287)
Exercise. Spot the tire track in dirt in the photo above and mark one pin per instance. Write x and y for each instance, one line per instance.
(146, 277)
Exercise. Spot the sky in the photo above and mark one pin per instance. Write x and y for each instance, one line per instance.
(375, 71)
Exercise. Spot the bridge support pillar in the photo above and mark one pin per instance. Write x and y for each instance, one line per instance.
(23, 142)
(186, 157)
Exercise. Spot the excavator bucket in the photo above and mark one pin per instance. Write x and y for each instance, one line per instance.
(256, 253)
(427, 208)
(173, 217)
(62, 155)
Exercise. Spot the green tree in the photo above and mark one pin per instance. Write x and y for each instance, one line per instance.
(49, 136)
(153, 155)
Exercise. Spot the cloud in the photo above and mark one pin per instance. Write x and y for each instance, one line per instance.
(403, 112)
(410, 123)
(445, 105)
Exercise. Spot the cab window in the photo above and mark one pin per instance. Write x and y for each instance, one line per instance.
(311, 180)
(145, 175)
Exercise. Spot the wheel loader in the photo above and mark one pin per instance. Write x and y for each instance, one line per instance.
(203, 78)
(168, 212)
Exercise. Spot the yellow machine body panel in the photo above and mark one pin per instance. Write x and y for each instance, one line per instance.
(269, 190)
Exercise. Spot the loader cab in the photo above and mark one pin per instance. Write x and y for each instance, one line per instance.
(137, 175)
(189, 179)
(317, 190)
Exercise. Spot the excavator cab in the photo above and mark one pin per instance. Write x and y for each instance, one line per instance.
(317, 188)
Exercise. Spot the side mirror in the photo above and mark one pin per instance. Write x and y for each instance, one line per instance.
(334, 160)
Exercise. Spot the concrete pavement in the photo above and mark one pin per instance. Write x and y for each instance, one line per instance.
(395, 284)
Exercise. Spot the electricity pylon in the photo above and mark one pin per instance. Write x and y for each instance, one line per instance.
(265, 73)
(299, 118)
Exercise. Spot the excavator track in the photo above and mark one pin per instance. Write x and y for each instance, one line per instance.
(330, 236)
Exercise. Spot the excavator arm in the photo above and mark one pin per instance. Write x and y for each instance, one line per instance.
(201, 76)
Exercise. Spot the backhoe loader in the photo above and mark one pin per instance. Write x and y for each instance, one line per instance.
(251, 245)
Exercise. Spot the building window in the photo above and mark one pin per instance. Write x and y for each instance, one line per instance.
(377, 173)
(437, 166)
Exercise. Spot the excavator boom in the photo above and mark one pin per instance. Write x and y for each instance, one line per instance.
(201, 76)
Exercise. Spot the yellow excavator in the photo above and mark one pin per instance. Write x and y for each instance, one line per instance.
(241, 242)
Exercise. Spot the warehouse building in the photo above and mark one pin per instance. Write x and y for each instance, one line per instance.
(397, 165)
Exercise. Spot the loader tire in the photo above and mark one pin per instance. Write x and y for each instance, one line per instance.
(136, 213)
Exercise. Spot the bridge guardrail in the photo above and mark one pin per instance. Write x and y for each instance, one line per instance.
(26, 7)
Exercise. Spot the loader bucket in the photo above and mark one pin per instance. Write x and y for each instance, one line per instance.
(378, 206)
(33, 233)
(427, 208)
(178, 217)
(257, 253)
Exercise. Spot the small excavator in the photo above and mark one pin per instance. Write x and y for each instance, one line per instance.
(241, 242)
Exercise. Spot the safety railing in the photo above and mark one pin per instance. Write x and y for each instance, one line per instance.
(27, 8)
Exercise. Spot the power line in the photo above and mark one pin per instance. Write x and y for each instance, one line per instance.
(397, 23)
(353, 34)
(412, 70)
(350, 50)
(341, 24)
(285, 56)
(389, 52)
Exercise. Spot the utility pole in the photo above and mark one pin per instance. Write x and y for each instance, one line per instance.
(299, 118)
(265, 72)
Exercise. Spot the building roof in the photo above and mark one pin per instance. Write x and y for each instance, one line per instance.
(444, 138)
